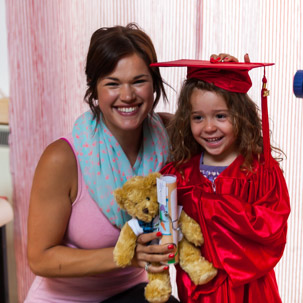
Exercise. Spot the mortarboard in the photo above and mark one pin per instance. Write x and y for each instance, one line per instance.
(231, 76)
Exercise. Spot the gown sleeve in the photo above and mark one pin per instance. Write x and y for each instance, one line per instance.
(248, 236)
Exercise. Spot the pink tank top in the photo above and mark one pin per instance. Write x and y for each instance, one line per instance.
(88, 228)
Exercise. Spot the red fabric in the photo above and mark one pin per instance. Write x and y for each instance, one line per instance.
(265, 123)
(244, 224)
(231, 76)
(234, 81)
(209, 64)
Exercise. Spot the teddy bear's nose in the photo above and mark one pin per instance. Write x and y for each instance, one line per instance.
(145, 210)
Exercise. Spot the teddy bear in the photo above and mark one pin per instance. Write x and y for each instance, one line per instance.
(138, 196)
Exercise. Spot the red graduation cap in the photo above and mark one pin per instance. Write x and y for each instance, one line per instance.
(231, 76)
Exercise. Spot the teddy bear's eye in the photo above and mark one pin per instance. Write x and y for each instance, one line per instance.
(147, 198)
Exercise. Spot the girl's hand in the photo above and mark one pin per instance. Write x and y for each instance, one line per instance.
(146, 254)
(228, 58)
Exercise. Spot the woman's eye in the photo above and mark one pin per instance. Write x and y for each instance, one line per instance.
(111, 84)
(140, 81)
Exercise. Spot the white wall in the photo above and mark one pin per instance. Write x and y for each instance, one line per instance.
(4, 75)
(5, 176)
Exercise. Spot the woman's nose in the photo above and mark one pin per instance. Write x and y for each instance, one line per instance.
(127, 93)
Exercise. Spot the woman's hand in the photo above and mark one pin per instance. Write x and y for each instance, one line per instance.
(146, 255)
(228, 58)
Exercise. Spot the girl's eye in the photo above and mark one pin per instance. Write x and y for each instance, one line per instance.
(197, 118)
(221, 116)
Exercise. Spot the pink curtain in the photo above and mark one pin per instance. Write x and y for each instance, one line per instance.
(48, 41)
(46, 52)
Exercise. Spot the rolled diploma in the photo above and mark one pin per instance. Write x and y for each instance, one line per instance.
(169, 211)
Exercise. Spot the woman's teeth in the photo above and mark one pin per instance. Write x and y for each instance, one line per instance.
(127, 109)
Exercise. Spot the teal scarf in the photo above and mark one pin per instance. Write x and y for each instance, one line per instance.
(104, 165)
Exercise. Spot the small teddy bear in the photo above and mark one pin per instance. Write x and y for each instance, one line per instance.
(138, 196)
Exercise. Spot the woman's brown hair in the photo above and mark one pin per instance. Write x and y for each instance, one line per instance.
(110, 44)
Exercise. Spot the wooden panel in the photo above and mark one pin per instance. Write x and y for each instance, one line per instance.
(4, 102)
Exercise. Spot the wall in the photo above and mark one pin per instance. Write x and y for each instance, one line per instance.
(5, 176)
(270, 31)
(4, 75)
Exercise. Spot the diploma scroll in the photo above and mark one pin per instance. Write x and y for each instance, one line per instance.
(169, 211)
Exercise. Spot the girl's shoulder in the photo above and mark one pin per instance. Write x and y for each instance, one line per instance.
(260, 166)
(186, 171)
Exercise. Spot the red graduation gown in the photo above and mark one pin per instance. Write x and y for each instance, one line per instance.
(243, 217)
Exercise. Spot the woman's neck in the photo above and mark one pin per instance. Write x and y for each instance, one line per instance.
(130, 142)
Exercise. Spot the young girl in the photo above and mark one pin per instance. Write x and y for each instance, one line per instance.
(229, 183)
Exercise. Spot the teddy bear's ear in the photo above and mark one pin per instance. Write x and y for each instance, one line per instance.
(151, 179)
(118, 194)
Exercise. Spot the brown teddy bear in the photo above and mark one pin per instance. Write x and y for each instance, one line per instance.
(138, 196)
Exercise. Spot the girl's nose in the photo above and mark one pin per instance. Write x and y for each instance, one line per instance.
(127, 93)
(210, 126)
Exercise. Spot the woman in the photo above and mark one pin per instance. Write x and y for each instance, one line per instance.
(70, 241)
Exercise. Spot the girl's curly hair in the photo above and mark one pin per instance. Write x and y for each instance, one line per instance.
(245, 119)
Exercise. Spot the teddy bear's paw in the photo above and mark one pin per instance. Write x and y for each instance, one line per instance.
(157, 291)
(122, 256)
(208, 276)
(191, 229)
(122, 260)
(201, 272)
(125, 247)
(197, 267)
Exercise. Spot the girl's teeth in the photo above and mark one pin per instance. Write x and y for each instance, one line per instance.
(213, 140)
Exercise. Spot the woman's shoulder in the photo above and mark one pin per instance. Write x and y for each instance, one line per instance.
(59, 153)
(58, 166)
(58, 160)
(165, 117)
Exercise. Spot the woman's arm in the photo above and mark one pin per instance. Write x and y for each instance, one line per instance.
(53, 191)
